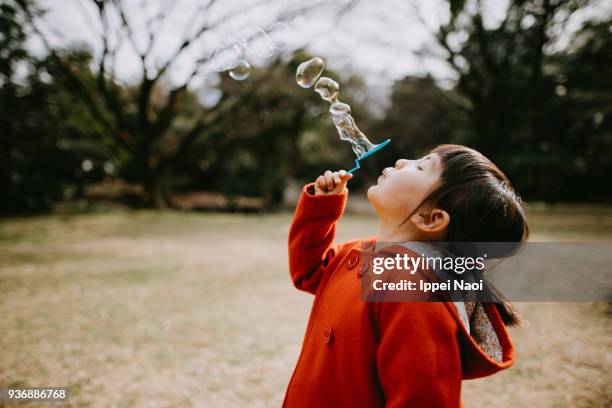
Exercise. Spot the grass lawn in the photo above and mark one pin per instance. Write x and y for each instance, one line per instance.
(189, 309)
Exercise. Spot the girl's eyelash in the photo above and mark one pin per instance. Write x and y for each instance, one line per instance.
(420, 168)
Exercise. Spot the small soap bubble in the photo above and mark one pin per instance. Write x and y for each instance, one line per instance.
(280, 35)
(267, 42)
(240, 46)
(327, 88)
(241, 71)
(262, 45)
(223, 58)
(233, 55)
(308, 72)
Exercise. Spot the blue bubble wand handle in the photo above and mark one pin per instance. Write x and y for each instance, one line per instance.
(366, 154)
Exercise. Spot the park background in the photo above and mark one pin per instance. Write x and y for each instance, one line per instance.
(146, 198)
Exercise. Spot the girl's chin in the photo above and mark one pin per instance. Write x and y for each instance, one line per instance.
(373, 195)
(372, 191)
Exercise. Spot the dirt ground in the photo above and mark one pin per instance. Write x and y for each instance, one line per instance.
(185, 309)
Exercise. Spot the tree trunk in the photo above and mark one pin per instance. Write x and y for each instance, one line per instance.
(158, 198)
(156, 187)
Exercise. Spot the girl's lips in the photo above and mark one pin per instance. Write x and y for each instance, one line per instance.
(380, 178)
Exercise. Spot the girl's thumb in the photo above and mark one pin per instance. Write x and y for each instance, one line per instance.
(345, 176)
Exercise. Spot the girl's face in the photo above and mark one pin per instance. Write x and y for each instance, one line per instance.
(401, 188)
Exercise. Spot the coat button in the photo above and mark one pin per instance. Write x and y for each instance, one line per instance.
(363, 269)
(353, 260)
(328, 335)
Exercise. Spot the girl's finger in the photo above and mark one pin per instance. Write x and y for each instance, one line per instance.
(336, 177)
(321, 182)
(329, 179)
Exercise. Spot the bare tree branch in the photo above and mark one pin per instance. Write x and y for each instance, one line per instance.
(105, 46)
(130, 35)
(119, 129)
(188, 41)
(166, 114)
(201, 9)
(87, 16)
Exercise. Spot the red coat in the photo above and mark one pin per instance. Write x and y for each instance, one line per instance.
(373, 354)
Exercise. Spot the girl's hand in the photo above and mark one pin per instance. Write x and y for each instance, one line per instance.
(332, 183)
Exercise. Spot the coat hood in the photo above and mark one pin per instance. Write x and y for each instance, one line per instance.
(485, 343)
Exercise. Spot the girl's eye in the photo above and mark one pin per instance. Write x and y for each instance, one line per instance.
(420, 168)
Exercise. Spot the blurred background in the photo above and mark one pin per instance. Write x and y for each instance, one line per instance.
(133, 170)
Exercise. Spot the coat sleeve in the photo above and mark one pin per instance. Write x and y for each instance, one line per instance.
(418, 358)
(311, 237)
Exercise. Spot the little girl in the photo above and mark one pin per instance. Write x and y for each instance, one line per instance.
(400, 354)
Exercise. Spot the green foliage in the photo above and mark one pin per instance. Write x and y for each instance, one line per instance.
(575, 125)
(420, 116)
(542, 117)
(46, 134)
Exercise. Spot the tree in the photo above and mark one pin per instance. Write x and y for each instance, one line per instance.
(424, 116)
(511, 86)
(578, 121)
(50, 143)
(501, 69)
(138, 117)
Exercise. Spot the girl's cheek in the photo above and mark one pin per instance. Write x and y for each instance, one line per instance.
(396, 195)
(405, 188)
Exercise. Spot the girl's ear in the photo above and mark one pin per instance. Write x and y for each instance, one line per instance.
(433, 223)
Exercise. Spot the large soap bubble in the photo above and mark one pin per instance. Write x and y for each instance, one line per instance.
(309, 71)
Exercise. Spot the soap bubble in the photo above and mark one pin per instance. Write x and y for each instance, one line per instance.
(231, 57)
(280, 36)
(308, 72)
(233, 54)
(262, 45)
(306, 75)
(240, 45)
(223, 58)
(339, 109)
(241, 71)
(328, 89)
(266, 42)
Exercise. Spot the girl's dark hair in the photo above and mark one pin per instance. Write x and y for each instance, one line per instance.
(483, 207)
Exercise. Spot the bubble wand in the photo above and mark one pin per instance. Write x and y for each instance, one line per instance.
(307, 75)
